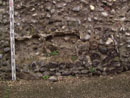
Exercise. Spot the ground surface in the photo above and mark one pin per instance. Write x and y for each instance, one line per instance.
(66, 37)
(95, 87)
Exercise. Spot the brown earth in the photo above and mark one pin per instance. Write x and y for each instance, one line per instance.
(70, 87)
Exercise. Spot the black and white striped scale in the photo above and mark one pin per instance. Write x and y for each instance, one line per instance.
(12, 39)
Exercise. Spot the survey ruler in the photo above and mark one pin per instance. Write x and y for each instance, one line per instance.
(12, 39)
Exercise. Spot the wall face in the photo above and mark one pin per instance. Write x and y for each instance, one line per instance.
(67, 37)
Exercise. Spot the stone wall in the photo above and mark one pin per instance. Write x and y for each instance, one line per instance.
(67, 37)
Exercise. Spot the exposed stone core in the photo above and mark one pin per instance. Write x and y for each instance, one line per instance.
(66, 37)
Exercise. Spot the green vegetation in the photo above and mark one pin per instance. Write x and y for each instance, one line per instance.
(45, 77)
(53, 53)
(74, 58)
(7, 93)
(92, 69)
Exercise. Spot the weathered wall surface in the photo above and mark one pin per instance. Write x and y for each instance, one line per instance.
(67, 37)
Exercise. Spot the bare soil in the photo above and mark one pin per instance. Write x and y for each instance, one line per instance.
(70, 87)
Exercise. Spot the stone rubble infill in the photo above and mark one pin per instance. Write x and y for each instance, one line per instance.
(68, 37)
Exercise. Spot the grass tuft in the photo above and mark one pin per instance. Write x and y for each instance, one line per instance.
(45, 77)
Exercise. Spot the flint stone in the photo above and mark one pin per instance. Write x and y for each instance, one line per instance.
(1, 56)
(46, 73)
(0, 18)
(52, 65)
(96, 62)
(104, 73)
(84, 71)
(92, 7)
(33, 65)
(103, 49)
(39, 75)
(85, 1)
(105, 14)
(66, 73)
(85, 38)
(76, 72)
(6, 49)
(76, 9)
(52, 69)
(1, 2)
(2, 10)
(43, 69)
(61, 5)
(58, 74)
(98, 73)
(5, 63)
(109, 41)
(53, 79)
